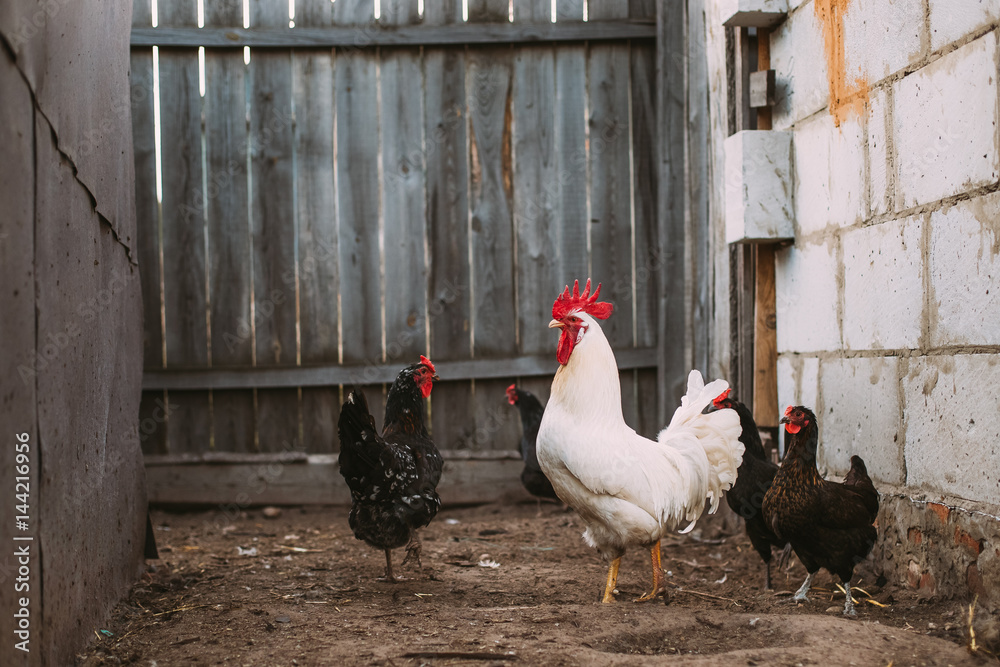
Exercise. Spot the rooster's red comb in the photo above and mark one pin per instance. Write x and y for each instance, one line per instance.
(788, 410)
(587, 302)
(721, 397)
(427, 362)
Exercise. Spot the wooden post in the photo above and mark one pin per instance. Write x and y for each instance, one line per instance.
(765, 374)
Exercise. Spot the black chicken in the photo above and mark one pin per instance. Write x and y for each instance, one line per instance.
(828, 524)
(532, 477)
(392, 477)
(753, 479)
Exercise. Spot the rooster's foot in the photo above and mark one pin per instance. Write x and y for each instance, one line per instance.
(658, 586)
(609, 586)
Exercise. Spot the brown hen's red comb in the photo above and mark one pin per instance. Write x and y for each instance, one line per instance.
(427, 362)
(788, 410)
(587, 302)
(721, 397)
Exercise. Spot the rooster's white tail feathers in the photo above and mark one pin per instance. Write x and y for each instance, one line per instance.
(713, 436)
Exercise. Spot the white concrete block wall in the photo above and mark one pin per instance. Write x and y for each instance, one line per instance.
(880, 179)
(883, 285)
(889, 300)
(807, 298)
(860, 414)
(952, 426)
(881, 38)
(964, 268)
(945, 125)
(800, 68)
(951, 20)
(825, 193)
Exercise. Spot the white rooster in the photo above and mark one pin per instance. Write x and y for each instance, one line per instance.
(629, 490)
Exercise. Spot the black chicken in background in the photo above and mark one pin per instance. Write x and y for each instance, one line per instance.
(828, 524)
(393, 477)
(753, 479)
(531, 409)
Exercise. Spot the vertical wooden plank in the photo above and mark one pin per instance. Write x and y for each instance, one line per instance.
(610, 175)
(536, 184)
(765, 384)
(447, 178)
(152, 432)
(571, 153)
(672, 366)
(358, 197)
(147, 210)
(230, 270)
(491, 184)
(183, 228)
(316, 211)
(644, 174)
(403, 210)
(272, 223)
(698, 190)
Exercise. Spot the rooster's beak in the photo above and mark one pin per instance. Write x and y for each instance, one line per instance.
(556, 324)
(783, 420)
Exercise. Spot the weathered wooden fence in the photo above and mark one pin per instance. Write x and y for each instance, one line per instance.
(332, 193)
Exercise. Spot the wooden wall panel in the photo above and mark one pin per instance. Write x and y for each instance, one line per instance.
(272, 223)
(230, 270)
(316, 215)
(430, 200)
(183, 229)
(447, 178)
(494, 314)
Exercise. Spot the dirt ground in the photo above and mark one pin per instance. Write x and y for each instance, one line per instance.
(500, 585)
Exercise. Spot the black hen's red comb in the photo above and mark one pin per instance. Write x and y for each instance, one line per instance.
(587, 302)
(427, 362)
(717, 401)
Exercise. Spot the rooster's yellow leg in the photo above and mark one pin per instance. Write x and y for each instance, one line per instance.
(609, 587)
(658, 587)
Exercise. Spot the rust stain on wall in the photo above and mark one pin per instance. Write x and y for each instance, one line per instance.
(846, 96)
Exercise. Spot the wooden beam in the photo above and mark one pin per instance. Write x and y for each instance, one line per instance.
(325, 375)
(765, 371)
(235, 486)
(365, 37)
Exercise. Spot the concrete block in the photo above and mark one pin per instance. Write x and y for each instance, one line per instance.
(861, 415)
(951, 20)
(952, 425)
(798, 58)
(883, 285)
(964, 272)
(759, 186)
(881, 38)
(797, 381)
(879, 132)
(806, 298)
(829, 173)
(758, 13)
(945, 124)
(797, 385)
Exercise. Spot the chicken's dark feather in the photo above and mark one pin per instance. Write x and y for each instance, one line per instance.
(393, 476)
(828, 524)
(753, 479)
(532, 477)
